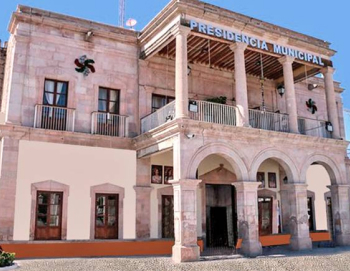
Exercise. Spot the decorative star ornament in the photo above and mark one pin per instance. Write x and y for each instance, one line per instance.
(84, 65)
(311, 106)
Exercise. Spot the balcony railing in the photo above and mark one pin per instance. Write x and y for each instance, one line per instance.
(213, 113)
(268, 120)
(54, 118)
(312, 127)
(159, 117)
(109, 124)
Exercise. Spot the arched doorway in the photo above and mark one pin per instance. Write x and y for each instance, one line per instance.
(218, 214)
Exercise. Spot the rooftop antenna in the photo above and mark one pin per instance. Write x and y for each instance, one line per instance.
(121, 13)
(131, 23)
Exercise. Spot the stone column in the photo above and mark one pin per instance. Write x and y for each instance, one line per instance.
(143, 199)
(331, 102)
(298, 225)
(241, 84)
(288, 75)
(186, 248)
(341, 209)
(8, 181)
(181, 76)
(247, 214)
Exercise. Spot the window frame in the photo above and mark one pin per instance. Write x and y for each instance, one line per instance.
(167, 100)
(55, 92)
(108, 100)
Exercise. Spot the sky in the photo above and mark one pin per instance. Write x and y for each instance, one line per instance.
(323, 19)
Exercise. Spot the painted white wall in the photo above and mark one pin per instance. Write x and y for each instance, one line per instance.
(318, 179)
(79, 167)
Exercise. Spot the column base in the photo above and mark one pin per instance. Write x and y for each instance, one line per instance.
(342, 240)
(251, 249)
(304, 243)
(185, 254)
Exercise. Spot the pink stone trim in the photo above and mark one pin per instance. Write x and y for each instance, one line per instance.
(51, 186)
(107, 188)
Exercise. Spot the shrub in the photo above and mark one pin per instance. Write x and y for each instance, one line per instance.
(6, 258)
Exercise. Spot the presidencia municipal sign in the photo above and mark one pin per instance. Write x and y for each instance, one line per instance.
(254, 42)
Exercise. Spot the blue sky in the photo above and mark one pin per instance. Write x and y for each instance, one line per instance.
(327, 20)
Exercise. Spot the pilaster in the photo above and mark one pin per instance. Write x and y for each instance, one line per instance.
(247, 215)
(186, 248)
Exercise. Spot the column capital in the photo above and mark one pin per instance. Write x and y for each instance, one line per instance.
(140, 188)
(181, 30)
(327, 70)
(286, 60)
(186, 182)
(293, 186)
(238, 46)
(246, 185)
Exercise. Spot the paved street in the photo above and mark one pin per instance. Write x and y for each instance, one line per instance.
(319, 259)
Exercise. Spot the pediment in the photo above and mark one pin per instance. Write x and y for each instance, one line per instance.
(219, 175)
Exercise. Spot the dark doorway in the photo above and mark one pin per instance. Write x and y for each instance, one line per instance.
(106, 220)
(167, 216)
(221, 217)
(310, 213)
(265, 216)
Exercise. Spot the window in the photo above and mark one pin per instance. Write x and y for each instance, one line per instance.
(106, 216)
(108, 100)
(48, 215)
(158, 101)
(55, 93)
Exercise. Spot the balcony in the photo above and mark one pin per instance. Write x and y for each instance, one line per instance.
(268, 121)
(312, 127)
(204, 111)
(109, 124)
(54, 118)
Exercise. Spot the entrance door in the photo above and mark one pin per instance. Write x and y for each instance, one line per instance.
(106, 220)
(310, 213)
(48, 223)
(167, 216)
(265, 216)
(221, 218)
(330, 216)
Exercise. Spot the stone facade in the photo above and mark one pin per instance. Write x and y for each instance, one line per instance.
(44, 45)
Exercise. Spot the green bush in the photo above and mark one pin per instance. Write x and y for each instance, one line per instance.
(218, 100)
(6, 259)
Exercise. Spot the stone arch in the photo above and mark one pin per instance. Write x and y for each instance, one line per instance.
(330, 166)
(231, 155)
(49, 186)
(283, 159)
(107, 188)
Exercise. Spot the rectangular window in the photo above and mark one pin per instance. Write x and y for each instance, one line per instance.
(55, 93)
(158, 101)
(108, 100)
(48, 215)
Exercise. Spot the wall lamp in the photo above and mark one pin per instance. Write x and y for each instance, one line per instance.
(281, 90)
(329, 126)
(312, 86)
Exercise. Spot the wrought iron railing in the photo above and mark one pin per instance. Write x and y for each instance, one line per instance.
(313, 127)
(54, 118)
(159, 117)
(268, 120)
(109, 124)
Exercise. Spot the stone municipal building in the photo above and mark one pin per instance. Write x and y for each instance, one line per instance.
(214, 129)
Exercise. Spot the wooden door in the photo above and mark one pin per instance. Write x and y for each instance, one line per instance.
(167, 216)
(265, 216)
(106, 217)
(48, 224)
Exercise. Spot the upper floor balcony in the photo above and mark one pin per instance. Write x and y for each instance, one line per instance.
(63, 119)
(204, 111)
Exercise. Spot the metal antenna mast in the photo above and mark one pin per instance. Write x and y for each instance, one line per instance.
(121, 13)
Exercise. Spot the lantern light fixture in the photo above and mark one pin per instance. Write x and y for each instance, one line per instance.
(281, 90)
